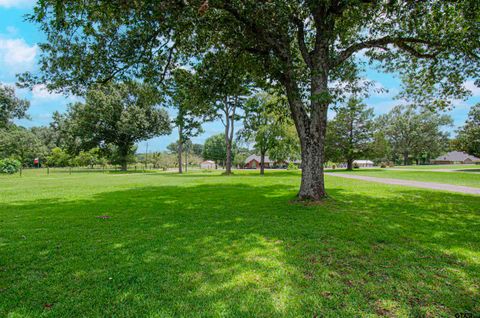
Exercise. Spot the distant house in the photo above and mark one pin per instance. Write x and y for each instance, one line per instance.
(363, 163)
(207, 164)
(455, 157)
(253, 162)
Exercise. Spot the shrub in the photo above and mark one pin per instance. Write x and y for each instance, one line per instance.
(334, 166)
(383, 165)
(356, 166)
(292, 166)
(9, 166)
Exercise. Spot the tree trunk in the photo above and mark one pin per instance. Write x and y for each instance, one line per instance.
(349, 164)
(311, 127)
(313, 185)
(180, 149)
(186, 160)
(229, 120)
(405, 158)
(262, 162)
(124, 157)
(228, 162)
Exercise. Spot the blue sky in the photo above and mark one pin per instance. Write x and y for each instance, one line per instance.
(19, 53)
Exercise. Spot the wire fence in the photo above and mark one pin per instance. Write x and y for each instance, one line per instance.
(39, 171)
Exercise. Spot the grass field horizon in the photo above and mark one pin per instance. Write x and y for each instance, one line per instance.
(206, 245)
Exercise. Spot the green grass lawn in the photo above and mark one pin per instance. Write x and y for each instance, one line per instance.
(455, 178)
(205, 245)
(428, 167)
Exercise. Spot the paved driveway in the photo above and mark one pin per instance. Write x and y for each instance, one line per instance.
(411, 183)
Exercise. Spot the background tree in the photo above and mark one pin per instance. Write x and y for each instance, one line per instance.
(307, 47)
(380, 149)
(11, 106)
(47, 135)
(469, 135)
(89, 158)
(413, 132)
(197, 149)
(21, 144)
(287, 149)
(191, 111)
(351, 131)
(116, 116)
(215, 149)
(163, 160)
(59, 158)
(224, 84)
(186, 149)
(241, 153)
(265, 124)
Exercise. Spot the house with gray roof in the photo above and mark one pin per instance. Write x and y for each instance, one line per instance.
(456, 157)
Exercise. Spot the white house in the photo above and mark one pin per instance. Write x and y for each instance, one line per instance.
(363, 163)
(207, 164)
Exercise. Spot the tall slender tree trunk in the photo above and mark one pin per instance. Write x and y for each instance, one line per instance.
(180, 149)
(262, 162)
(405, 158)
(228, 147)
(186, 159)
(229, 130)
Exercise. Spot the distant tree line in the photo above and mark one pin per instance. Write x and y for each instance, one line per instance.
(105, 127)
(405, 135)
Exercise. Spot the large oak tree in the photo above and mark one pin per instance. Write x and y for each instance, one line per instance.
(414, 132)
(308, 47)
(116, 116)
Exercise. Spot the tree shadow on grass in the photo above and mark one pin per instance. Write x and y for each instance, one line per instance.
(467, 170)
(241, 251)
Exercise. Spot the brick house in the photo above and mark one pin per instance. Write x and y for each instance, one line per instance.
(253, 162)
(455, 157)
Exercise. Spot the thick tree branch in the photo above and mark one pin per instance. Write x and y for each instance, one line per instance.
(259, 32)
(301, 42)
(402, 43)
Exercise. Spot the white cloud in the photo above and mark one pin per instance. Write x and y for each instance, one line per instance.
(470, 85)
(17, 3)
(40, 91)
(16, 55)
